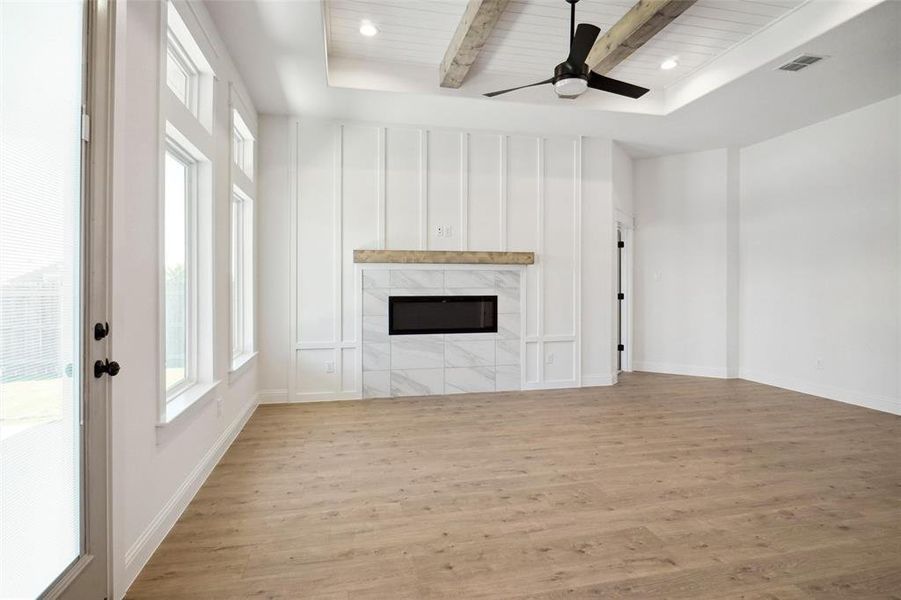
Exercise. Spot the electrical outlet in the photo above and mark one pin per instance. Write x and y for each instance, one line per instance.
(329, 367)
(444, 231)
(819, 364)
(549, 360)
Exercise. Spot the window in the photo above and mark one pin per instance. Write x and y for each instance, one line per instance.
(178, 276)
(241, 278)
(189, 75)
(242, 145)
(181, 74)
(187, 371)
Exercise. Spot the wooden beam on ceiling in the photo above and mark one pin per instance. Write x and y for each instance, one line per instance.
(475, 26)
(643, 21)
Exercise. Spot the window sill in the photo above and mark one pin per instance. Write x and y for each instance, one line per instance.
(240, 364)
(194, 396)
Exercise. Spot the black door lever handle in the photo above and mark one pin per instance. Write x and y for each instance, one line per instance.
(107, 366)
(101, 330)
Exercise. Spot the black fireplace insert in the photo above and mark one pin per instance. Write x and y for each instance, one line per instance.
(409, 315)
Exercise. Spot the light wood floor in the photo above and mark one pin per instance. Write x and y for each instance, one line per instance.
(660, 487)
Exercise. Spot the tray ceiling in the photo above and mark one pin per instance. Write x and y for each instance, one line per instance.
(531, 36)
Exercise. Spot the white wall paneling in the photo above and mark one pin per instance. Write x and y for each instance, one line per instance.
(362, 185)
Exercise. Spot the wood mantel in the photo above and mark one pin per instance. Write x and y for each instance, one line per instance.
(448, 257)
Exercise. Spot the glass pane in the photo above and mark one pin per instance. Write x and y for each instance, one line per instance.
(235, 277)
(176, 275)
(176, 78)
(40, 301)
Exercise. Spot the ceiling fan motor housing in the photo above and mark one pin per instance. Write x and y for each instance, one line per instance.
(570, 82)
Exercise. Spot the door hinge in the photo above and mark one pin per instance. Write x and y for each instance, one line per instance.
(620, 347)
(620, 296)
(620, 244)
(85, 127)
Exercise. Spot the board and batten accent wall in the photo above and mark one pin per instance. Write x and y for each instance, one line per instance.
(338, 187)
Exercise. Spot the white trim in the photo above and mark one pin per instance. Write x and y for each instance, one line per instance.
(149, 540)
(627, 229)
(272, 396)
(464, 191)
(423, 189)
(191, 397)
(382, 187)
(240, 365)
(829, 392)
(673, 369)
(504, 171)
(597, 380)
(301, 397)
(338, 250)
(552, 384)
(293, 265)
(578, 157)
(539, 263)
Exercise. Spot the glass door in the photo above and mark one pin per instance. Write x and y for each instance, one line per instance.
(45, 381)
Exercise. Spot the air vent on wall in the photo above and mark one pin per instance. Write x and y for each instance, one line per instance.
(801, 62)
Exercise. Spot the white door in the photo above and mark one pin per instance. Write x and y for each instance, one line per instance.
(53, 531)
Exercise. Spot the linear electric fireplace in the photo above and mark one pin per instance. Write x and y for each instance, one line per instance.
(409, 315)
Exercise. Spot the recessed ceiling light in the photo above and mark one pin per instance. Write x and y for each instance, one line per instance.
(368, 29)
(669, 63)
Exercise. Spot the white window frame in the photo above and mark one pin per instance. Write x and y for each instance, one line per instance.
(191, 309)
(243, 145)
(189, 128)
(180, 57)
(241, 278)
(179, 42)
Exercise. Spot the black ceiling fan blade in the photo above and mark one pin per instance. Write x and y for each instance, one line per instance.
(499, 92)
(586, 34)
(615, 86)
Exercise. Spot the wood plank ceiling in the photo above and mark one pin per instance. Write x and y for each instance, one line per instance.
(532, 35)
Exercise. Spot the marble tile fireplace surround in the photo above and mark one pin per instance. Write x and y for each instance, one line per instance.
(434, 364)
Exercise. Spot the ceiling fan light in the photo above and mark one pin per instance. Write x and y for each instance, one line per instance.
(570, 87)
(368, 29)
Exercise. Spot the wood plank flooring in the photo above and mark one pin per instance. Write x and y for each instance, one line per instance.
(659, 487)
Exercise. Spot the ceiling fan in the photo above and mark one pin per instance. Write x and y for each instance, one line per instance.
(572, 77)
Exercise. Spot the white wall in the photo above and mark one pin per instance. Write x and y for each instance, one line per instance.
(778, 262)
(623, 184)
(157, 469)
(362, 185)
(680, 297)
(819, 270)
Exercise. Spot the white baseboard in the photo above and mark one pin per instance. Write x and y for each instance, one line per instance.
(673, 369)
(554, 384)
(324, 396)
(142, 549)
(598, 380)
(272, 396)
(855, 397)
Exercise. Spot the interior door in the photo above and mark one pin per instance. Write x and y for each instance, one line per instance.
(53, 461)
(619, 300)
